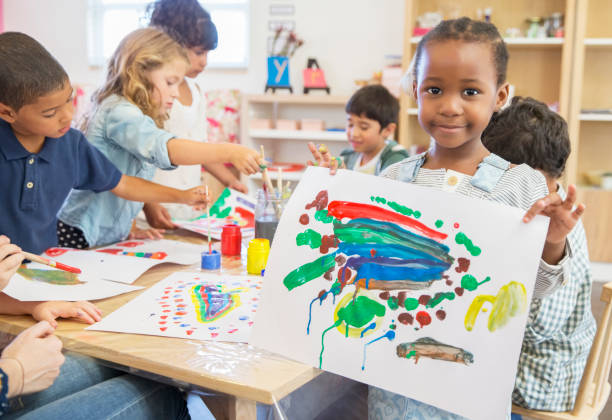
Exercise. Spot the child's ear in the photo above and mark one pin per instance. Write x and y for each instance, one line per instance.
(502, 96)
(7, 113)
(388, 131)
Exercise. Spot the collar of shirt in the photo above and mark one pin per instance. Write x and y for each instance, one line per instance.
(12, 149)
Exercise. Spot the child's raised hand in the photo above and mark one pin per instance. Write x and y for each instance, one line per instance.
(244, 159)
(563, 216)
(324, 159)
(196, 197)
(81, 311)
(10, 259)
(238, 186)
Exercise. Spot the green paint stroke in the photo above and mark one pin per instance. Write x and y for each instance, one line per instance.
(469, 282)
(392, 303)
(410, 354)
(417, 214)
(309, 237)
(323, 216)
(216, 209)
(360, 311)
(438, 298)
(439, 223)
(338, 322)
(57, 277)
(400, 209)
(411, 303)
(309, 271)
(379, 200)
(462, 239)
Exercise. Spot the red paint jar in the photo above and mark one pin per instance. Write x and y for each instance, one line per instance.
(231, 240)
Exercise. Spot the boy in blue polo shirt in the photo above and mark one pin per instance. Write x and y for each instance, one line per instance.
(41, 160)
(43, 157)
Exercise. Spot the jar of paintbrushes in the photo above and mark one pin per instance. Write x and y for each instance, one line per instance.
(268, 211)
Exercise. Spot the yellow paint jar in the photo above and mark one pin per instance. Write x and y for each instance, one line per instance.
(257, 255)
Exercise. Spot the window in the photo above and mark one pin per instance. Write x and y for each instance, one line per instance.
(110, 20)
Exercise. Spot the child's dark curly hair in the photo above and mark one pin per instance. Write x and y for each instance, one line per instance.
(468, 30)
(529, 132)
(186, 21)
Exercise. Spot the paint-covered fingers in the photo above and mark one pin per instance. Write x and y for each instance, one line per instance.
(315, 154)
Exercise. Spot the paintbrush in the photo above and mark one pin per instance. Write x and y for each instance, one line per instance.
(208, 218)
(265, 176)
(51, 263)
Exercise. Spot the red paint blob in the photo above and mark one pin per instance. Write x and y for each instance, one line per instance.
(423, 318)
(189, 332)
(459, 291)
(130, 244)
(464, 265)
(373, 253)
(163, 328)
(320, 202)
(405, 318)
(441, 315)
(456, 225)
(304, 219)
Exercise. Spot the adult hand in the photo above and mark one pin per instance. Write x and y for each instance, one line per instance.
(39, 353)
(81, 311)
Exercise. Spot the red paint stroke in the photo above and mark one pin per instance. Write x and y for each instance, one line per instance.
(320, 201)
(304, 219)
(246, 214)
(113, 251)
(213, 335)
(346, 209)
(55, 252)
(189, 332)
(423, 318)
(130, 244)
(373, 252)
(180, 313)
(164, 316)
(163, 328)
(233, 331)
(456, 225)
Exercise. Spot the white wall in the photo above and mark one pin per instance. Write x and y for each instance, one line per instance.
(349, 38)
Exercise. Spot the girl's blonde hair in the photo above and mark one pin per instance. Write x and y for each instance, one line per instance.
(140, 52)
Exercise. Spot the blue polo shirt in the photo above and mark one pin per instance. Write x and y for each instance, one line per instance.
(35, 185)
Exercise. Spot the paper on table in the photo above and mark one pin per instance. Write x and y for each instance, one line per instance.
(193, 305)
(36, 282)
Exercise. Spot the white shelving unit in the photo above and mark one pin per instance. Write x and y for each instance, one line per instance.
(595, 117)
(290, 146)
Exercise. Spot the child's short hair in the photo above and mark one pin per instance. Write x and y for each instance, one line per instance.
(468, 30)
(186, 21)
(529, 132)
(27, 70)
(140, 52)
(376, 103)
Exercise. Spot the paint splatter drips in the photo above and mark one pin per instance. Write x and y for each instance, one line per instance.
(469, 282)
(462, 239)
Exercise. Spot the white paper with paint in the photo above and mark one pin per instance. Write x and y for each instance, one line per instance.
(232, 207)
(409, 341)
(157, 250)
(41, 283)
(102, 265)
(192, 305)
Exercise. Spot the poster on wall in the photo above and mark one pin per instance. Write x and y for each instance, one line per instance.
(406, 288)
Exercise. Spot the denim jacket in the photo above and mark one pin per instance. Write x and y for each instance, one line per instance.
(133, 142)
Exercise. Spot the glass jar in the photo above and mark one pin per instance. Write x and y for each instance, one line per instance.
(268, 211)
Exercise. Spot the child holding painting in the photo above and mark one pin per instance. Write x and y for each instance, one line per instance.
(459, 81)
(560, 328)
(371, 118)
(142, 82)
(191, 26)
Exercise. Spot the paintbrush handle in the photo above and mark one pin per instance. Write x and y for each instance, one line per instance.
(50, 263)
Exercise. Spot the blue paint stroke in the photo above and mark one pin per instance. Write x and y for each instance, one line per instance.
(389, 335)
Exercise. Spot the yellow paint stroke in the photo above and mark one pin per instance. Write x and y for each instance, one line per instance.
(509, 302)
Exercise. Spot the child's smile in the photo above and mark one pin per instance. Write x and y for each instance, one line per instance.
(456, 91)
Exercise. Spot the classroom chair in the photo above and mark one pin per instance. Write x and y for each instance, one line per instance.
(594, 387)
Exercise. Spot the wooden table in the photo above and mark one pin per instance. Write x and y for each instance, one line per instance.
(253, 376)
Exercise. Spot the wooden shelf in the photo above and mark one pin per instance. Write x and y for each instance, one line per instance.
(297, 99)
(530, 42)
(598, 42)
(595, 117)
(412, 111)
(298, 135)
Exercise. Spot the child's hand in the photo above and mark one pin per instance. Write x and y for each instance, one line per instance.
(40, 354)
(562, 218)
(238, 186)
(82, 311)
(196, 197)
(152, 233)
(244, 159)
(158, 216)
(324, 159)
(10, 259)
